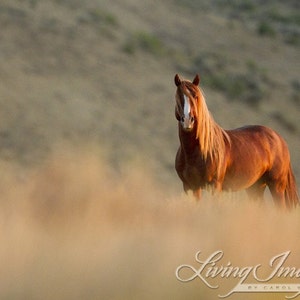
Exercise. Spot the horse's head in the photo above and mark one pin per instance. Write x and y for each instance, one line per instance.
(186, 101)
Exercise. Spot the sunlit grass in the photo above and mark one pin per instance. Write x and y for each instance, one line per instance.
(75, 228)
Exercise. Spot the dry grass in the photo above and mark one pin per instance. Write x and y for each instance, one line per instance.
(74, 228)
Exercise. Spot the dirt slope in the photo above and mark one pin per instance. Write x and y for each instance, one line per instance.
(102, 72)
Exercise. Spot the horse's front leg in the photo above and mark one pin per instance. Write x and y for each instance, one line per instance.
(217, 188)
(197, 194)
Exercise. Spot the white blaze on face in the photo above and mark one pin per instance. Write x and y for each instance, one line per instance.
(186, 108)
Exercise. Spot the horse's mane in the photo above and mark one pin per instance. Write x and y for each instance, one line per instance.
(211, 136)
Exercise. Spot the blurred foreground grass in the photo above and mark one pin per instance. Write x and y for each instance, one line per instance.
(75, 228)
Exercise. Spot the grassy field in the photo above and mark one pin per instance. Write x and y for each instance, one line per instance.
(75, 228)
(91, 207)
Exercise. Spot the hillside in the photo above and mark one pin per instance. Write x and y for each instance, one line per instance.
(101, 72)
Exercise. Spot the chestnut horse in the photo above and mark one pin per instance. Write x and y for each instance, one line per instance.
(250, 157)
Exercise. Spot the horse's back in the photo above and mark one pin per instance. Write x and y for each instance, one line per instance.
(257, 136)
(255, 151)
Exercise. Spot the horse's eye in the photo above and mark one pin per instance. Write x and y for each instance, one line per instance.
(192, 119)
(182, 119)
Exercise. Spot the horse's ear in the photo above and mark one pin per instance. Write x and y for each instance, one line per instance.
(196, 80)
(177, 80)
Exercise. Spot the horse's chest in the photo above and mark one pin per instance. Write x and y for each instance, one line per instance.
(194, 171)
(196, 175)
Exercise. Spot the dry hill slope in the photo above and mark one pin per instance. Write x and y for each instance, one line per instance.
(102, 72)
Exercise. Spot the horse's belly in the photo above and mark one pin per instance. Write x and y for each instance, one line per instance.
(242, 179)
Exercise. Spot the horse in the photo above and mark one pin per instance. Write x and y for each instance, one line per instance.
(248, 158)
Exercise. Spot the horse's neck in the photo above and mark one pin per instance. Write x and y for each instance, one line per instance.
(188, 141)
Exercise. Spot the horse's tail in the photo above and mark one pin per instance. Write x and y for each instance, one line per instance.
(291, 192)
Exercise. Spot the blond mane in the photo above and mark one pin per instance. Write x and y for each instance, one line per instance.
(211, 136)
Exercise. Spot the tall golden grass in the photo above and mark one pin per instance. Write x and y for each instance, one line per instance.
(76, 228)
